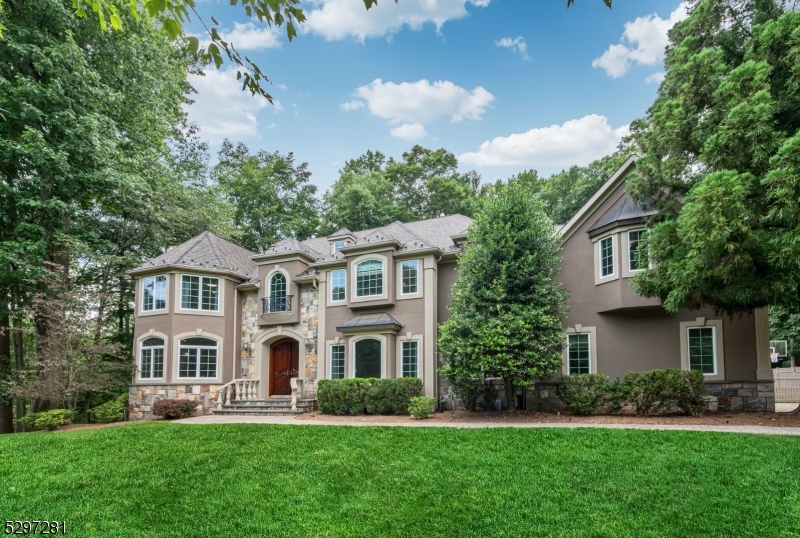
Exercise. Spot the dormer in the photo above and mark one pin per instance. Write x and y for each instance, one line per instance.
(340, 239)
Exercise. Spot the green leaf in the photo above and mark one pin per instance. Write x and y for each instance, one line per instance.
(173, 28)
(192, 43)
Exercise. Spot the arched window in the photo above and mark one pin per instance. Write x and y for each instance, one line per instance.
(368, 358)
(277, 285)
(277, 300)
(151, 358)
(197, 358)
(369, 278)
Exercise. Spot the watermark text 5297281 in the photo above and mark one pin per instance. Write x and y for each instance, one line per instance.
(36, 527)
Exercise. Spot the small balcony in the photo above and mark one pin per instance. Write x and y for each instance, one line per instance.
(277, 304)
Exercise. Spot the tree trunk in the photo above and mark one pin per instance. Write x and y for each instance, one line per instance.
(19, 362)
(511, 395)
(6, 403)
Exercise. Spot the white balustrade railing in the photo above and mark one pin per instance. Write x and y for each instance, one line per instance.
(238, 389)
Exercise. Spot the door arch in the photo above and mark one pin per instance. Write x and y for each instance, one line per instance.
(284, 364)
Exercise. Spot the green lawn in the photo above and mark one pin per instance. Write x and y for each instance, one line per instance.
(242, 480)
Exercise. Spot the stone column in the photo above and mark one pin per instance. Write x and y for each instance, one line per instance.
(764, 364)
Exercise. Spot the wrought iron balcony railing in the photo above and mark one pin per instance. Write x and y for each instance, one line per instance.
(278, 303)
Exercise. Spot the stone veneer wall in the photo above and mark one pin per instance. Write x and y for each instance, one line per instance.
(142, 398)
(308, 328)
(742, 396)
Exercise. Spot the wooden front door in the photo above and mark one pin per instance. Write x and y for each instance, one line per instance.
(284, 360)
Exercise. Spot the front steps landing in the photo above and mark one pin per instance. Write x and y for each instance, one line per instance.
(267, 407)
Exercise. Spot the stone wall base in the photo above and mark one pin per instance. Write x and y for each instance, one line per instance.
(739, 396)
(143, 397)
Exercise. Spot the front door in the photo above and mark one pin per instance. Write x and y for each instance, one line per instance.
(284, 361)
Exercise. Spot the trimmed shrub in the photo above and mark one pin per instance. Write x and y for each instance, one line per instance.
(373, 396)
(111, 411)
(47, 420)
(658, 390)
(616, 395)
(123, 399)
(173, 409)
(421, 406)
(582, 393)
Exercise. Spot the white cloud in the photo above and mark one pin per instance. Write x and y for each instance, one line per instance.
(271, 125)
(418, 103)
(643, 42)
(579, 142)
(281, 87)
(410, 131)
(221, 108)
(248, 36)
(277, 107)
(655, 78)
(338, 19)
(518, 44)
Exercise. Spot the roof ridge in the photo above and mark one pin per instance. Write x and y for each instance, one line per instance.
(212, 242)
(188, 249)
(403, 226)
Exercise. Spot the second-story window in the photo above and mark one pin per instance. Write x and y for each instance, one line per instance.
(199, 293)
(338, 245)
(410, 277)
(338, 283)
(369, 278)
(277, 285)
(154, 293)
(637, 259)
(606, 256)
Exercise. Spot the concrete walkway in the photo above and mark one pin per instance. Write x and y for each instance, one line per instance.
(236, 419)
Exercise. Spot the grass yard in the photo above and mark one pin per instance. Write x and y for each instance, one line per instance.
(242, 480)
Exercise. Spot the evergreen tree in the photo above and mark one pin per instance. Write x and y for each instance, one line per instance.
(506, 307)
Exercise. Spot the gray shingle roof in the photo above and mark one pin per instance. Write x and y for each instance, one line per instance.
(370, 320)
(625, 212)
(205, 251)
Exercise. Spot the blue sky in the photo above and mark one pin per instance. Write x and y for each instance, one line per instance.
(506, 85)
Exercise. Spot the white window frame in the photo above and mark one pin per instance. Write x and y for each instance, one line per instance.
(155, 278)
(330, 296)
(401, 359)
(610, 239)
(344, 359)
(142, 348)
(382, 280)
(200, 293)
(416, 278)
(589, 342)
(217, 348)
(336, 246)
(355, 340)
(630, 258)
(713, 347)
(580, 329)
(719, 346)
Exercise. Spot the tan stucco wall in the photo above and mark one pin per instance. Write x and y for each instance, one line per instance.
(635, 333)
(447, 275)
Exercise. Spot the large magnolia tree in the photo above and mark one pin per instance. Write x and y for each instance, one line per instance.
(507, 305)
(721, 158)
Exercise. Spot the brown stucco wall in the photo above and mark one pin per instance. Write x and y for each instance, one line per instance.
(447, 275)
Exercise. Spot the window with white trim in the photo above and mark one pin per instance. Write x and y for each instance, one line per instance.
(410, 275)
(702, 350)
(197, 358)
(409, 351)
(154, 293)
(369, 278)
(368, 358)
(578, 353)
(337, 361)
(199, 293)
(606, 246)
(338, 245)
(151, 358)
(277, 285)
(637, 258)
(338, 284)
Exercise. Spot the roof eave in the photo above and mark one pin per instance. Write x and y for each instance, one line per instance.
(286, 253)
(365, 246)
(185, 268)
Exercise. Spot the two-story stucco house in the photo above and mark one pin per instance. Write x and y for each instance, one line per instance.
(239, 331)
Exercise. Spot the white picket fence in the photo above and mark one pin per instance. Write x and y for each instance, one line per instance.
(787, 384)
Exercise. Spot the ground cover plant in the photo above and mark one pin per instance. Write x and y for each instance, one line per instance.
(176, 480)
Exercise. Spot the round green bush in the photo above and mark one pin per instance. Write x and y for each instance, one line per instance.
(421, 406)
(111, 411)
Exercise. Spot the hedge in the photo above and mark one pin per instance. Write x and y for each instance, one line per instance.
(370, 395)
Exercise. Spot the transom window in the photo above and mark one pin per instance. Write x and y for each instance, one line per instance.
(637, 259)
(154, 293)
(410, 277)
(337, 361)
(702, 350)
(606, 256)
(277, 285)
(199, 293)
(338, 283)
(197, 358)
(338, 245)
(369, 278)
(578, 353)
(151, 358)
(368, 358)
(410, 357)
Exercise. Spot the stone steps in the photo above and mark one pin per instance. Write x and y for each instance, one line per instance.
(267, 407)
(259, 412)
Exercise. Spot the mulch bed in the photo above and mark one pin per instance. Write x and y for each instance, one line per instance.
(709, 419)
